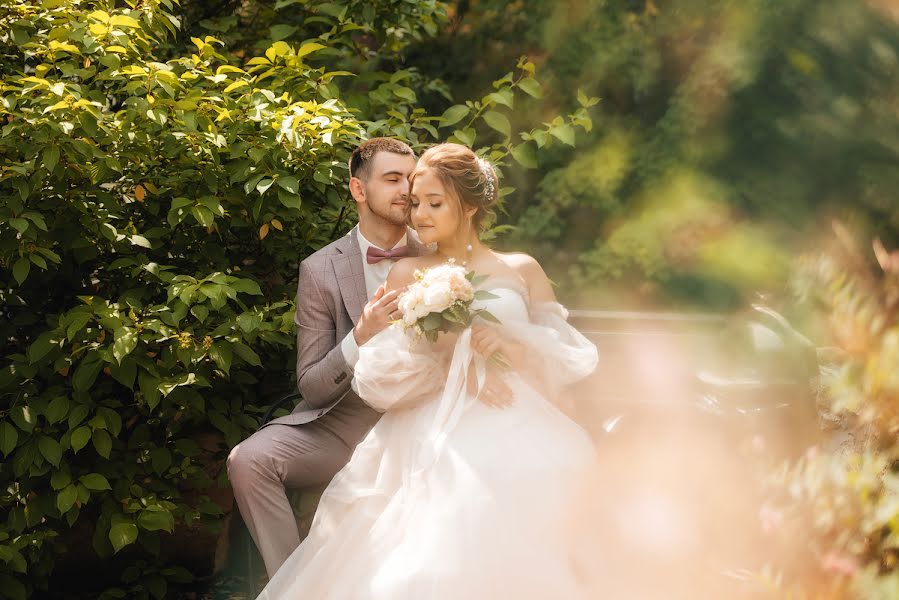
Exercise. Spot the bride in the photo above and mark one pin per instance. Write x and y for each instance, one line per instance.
(455, 494)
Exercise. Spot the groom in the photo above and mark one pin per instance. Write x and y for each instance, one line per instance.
(334, 316)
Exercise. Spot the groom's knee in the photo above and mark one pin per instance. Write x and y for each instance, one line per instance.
(245, 464)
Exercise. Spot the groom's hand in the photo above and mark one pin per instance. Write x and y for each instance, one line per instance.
(377, 315)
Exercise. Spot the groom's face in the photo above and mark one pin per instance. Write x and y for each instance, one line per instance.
(387, 186)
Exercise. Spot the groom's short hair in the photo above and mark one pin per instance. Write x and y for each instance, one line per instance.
(361, 159)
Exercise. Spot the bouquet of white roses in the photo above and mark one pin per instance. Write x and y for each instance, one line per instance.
(440, 300)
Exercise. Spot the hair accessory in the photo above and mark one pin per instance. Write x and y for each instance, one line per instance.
(490, 184)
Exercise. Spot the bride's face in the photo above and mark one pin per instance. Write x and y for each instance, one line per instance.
(435, 211)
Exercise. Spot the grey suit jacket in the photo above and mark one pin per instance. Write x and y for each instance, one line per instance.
(330, 297)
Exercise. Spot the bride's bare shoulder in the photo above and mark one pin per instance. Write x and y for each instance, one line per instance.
(529, 269)
(402, 273)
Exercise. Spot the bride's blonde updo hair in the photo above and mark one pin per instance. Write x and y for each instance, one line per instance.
(471, 178)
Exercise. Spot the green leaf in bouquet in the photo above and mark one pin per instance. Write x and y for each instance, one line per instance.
(431, 335)
(431, 322)
(487, 316)
(449, 315)
(461, 312)
(475, 279)
(484, 295)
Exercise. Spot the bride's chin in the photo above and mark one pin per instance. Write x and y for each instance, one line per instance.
(426, 235)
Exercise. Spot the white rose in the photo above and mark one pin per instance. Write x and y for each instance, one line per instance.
(438, 297)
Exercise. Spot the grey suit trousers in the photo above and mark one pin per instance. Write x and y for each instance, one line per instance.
(306, 448)
(294, 457)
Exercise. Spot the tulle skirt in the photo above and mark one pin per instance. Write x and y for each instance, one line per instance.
(486, 511)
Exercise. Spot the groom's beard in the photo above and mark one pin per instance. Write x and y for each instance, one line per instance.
(392, 214)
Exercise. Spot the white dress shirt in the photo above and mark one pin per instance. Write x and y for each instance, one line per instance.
(375, 276)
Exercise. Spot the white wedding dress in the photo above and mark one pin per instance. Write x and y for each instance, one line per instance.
(448, 498)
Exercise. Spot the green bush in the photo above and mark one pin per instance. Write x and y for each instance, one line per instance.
(156, 196)
(779, 113)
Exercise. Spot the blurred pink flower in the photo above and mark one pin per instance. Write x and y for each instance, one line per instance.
(840, 563)
(771, 517)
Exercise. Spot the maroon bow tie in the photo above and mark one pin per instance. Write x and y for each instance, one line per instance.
(375, 255)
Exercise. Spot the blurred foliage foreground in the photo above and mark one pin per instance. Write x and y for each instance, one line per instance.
(833, 518)
(156, 194)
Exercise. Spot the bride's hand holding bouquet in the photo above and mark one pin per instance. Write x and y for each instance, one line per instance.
(440, 301)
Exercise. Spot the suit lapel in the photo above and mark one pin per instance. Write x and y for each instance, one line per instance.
(350, 276)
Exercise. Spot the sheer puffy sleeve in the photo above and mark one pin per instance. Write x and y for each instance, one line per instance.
(565, 355)
(396, 370)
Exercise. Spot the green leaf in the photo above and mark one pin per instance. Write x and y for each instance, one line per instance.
(19, 224)
(280, 32)
(124, 21)
(79, 320)
(203, 215)
(60, 479)
(124, 373)
(9, 437)
(499, 122)
(525, 155)
(42, 346)
(503, 96)
(57, 410)
(563, 132)
(289, 183)
(102, 442)
(309, 48)
(37, 219)
(50, 449)
(484, 295)
(80, 438)
(155, 520)
(51, 157)
(77, 415)
(246, 353)
(122, 534)
(488, 316)
(95, 482)
(86, 374)
(249, 322)
(149, 387)
(431, 322)
(406, 94)
(246, 286)
(221, 353)
(125, 343)
(12, 587)
(24, 417)
(290, 200)
(200, 312)
(160, 459)
(465, 136)
(531, 87)
(453, 115)
(66, 498)
(263, 185)
(139, 240)
(21, 268)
